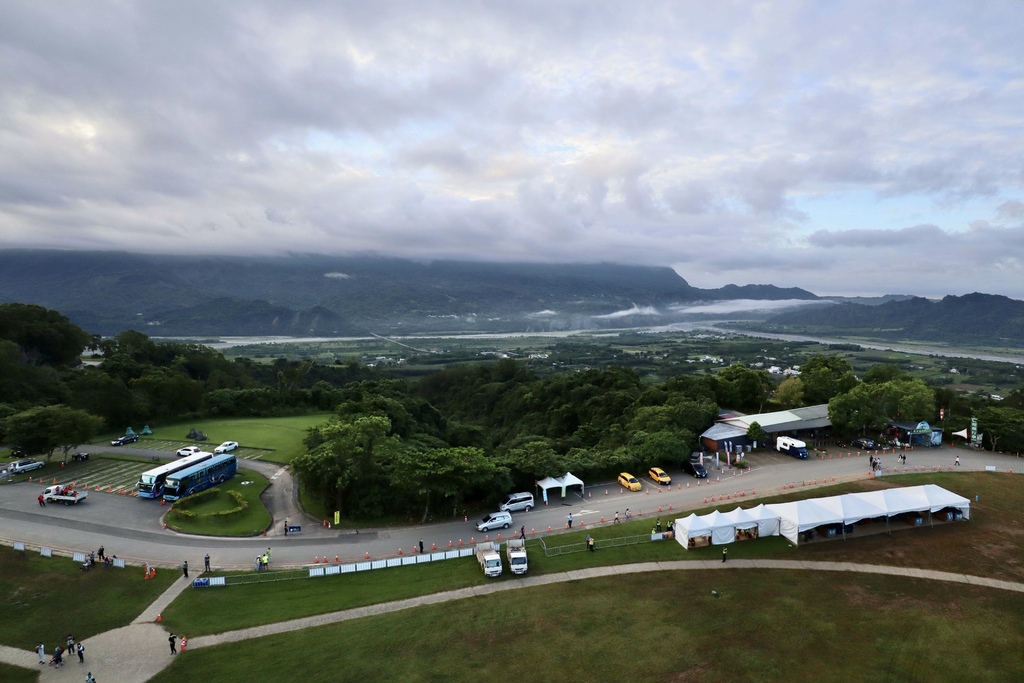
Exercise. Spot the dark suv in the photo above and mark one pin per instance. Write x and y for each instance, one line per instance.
(695, 468)
(866, 444)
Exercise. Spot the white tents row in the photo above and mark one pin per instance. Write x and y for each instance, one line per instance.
(559, 483)
(791, 519)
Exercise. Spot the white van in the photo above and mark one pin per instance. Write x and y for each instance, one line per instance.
(24, 466)
(516, 502)
(494, 520)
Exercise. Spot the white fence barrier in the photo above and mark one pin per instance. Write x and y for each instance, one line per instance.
(18, 545)
(78, 557)
(402, 561)
(45, 552)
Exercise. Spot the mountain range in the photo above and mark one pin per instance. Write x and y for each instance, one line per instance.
(311, 295)
(107, 292)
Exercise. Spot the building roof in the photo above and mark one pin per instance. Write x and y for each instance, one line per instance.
(811, 417)
(721, 431)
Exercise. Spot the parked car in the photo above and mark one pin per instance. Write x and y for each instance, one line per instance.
(79, 457)
(866, 444)
(659, 477)
(629, 481)
(226, 447)
(126, 439)
(494, 520)
(516, 502)
(187, 450)
(22, 466)
(695, 468)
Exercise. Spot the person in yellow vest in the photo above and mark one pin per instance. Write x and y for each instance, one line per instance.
(266, 561)
(725, 554)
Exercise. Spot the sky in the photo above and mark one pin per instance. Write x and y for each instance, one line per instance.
(852, 148)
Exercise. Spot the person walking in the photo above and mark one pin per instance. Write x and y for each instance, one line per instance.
(522, 533)
(570, 520)
(41, 651)
(170, 641)
(957, 461)
(286, 527)
(184, 568)
(81, 653)
(57, 661)
(725, 554)
(590, 543)
(421, 546)
(616, 521)
(206, 563)
(42, 503)
(266, 560)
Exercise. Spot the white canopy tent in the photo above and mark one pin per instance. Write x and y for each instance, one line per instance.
(560, 483)
(792, 519)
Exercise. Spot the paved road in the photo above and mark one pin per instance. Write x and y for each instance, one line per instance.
(131, 528)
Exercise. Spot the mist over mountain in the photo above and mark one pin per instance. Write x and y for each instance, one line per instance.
(107, 292)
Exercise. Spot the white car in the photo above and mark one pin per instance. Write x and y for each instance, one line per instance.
(187, 450)
(24, 466)
(226, 447)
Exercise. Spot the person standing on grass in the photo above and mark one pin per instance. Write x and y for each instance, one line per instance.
(184, 568)
(100, 553)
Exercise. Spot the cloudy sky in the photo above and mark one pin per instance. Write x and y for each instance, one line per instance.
(844, 147)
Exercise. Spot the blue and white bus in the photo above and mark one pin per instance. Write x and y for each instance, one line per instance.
(200, 477)
(151, 482)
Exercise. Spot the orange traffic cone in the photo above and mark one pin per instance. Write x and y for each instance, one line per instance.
(159, 617)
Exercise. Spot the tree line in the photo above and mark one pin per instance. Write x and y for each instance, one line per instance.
(462, 434)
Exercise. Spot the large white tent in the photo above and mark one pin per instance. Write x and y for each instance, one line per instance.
(792, 519)
(560, 483)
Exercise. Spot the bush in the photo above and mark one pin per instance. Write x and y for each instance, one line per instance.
(178, 509)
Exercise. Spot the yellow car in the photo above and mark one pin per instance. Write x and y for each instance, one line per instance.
(629, 481)
(659, 477)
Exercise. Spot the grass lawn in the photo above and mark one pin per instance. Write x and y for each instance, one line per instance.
(16, 674)
(282, 435)
(766, 626)
(45, 598)
(989, 545)
(249, 522)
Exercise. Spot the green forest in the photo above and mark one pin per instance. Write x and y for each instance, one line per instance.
(425, 447)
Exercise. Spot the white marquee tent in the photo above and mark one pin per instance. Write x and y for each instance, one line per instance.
(560, 483)
(792, 519)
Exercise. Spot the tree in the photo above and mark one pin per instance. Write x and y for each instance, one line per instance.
(1003, 428)
(46, 429)
(906, 399)
(856, 410)
(883, 372)
(756, 433)
(738, 386)
(442, 474)
(824, 377)
(345, 454)
(790, 393)
(45, 337)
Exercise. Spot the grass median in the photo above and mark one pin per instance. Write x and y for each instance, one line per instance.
(218, 513)
(281, 436)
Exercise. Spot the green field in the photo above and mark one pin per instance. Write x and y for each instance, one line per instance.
(34, 590)
(280, 436)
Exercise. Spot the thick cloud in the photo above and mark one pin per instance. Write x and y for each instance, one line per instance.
(844, 147)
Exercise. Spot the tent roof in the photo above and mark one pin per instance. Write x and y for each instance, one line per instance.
(739, 518)
(560, 482)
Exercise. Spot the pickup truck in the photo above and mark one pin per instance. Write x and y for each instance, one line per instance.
(489, 559)
(64, 494)
(516, 552)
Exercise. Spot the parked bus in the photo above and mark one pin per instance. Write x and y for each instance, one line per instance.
(151, 482)
(200, 477)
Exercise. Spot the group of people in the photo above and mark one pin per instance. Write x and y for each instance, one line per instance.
(629, 516)
(57, 660)
(101, 553)
(876, 463)
(263, 561)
